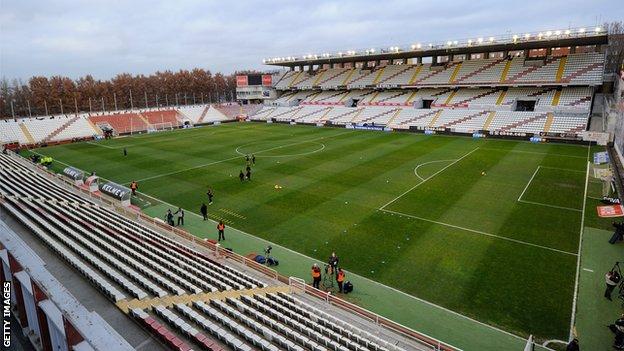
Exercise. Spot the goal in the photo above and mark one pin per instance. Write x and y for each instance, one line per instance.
(159, 127)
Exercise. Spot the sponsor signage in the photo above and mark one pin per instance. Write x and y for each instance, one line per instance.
(115, 190)
(242, 81)
(267, 80)
(73, 173)
(610, 211)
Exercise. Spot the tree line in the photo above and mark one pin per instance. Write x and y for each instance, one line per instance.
(59, 94)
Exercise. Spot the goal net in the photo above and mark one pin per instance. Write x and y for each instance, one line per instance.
(600, 182)
(159, 127)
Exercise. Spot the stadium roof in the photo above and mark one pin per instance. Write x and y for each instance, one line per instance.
(556, 38)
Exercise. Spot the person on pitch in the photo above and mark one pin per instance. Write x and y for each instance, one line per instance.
(332, 263)
(340, 277)
(248, 175)
(210, 194)
(253, 159)
(241, 176)
(180, 214)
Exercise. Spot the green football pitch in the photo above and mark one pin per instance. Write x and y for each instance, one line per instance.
(488, 228)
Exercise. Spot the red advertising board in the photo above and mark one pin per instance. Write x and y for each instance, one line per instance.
(241, 81)
(610, 211)
(267, 80)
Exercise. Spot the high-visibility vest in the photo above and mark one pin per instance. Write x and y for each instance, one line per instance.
(340, 277)
(316, 273)
(221, 226)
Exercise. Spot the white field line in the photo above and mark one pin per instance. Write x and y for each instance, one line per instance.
(529, 183)
(551, 206)
(580, 245)
(480, 232)
(101, 145)
(232, 158)
(426, 179)
(426, 163)
(588, 270)
(357, 275)
(531, 152)
(564, 169)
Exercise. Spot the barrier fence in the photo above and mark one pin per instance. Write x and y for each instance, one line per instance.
(297, 285)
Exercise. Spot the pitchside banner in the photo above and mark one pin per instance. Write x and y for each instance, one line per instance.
(73, 173)
(241, 81)
(116, 191)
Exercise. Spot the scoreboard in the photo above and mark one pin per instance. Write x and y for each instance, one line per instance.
(254, 80)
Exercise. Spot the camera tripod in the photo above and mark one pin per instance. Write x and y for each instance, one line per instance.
(328, 278)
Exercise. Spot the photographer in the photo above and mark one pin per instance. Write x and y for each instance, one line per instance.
(618, 329)
(612, 279)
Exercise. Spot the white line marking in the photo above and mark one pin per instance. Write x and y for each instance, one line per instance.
(531, 152)
(230, 159)
(552, 206)
(287, 155)
(426, 163)
(578, 259)
(588, 270)
(101, 145)
(481, 232)
(530, 180)
(426, 179)
(564, 169)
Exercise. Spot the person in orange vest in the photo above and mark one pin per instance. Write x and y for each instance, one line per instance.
(340, 277)
(316, 276)
(221, 229)
(134, 186)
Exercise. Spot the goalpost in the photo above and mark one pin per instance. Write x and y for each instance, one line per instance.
(159, 127)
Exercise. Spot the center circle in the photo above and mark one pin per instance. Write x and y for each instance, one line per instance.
(269, 149)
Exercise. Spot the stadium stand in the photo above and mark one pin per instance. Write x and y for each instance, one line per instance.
(185, 296)
(506, 95)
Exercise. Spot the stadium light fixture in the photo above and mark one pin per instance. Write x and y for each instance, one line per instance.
(491, 39)
(418, 46)
(455, 42)
(598, 29)
(469, 42)
(567, 32)
(549, 33)
(558, 32)
(413, 46)
(540, 35)
(582, 30)
(527, 36)
(480, 40)
(430, 45)
(515, 38)
(449, 43)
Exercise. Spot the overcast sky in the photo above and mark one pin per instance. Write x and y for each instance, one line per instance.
(106, 37)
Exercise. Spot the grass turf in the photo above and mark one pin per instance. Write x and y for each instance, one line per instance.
(452, 229)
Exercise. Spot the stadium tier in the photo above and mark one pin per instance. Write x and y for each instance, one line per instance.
(28, 131)
(185, 296)
(503, 96)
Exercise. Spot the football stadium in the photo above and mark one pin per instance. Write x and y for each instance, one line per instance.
(438, 195)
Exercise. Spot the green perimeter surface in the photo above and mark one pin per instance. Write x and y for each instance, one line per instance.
(461, 239)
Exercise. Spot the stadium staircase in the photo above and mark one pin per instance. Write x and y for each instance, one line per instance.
(348, 77)
(501, 97)
(522, 122)
(319, 76)
(464, 119)
(203, 114)
(531, 69)
(435, 118)
(549, 121)
(477, 71)
(556, 98)
(455, 73)
(582, 71)
(561, 68)
(379, 75)
(295, 79)
(27, 134)
(505, 72)
(61, 128)
(143, 118)
(415, 75)
(395, 74)
(488, 120)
